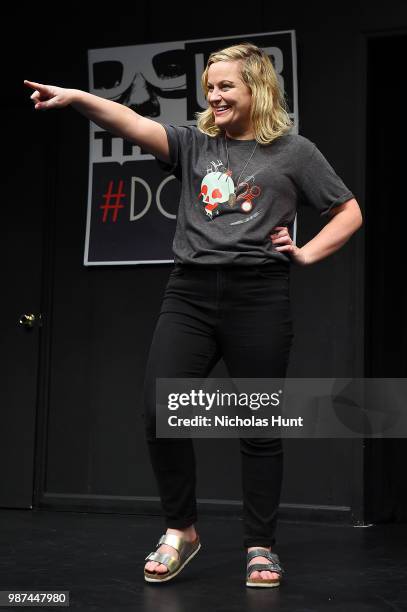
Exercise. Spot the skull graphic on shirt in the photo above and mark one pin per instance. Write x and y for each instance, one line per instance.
(216, 188)
(220, 196)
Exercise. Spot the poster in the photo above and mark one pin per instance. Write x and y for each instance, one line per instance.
(132, 202)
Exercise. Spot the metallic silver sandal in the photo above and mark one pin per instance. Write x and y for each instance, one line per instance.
(273, 566)
(186, 551)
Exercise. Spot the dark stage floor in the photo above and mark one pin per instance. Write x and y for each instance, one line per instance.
(99, 559)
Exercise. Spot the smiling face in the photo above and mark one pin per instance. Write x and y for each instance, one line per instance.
(230, 99)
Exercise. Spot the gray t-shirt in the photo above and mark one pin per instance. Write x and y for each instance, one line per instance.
(217, 228)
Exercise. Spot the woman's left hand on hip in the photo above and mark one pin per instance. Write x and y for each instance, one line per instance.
(283, 243)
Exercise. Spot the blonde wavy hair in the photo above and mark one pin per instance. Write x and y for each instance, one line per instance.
(269, 112)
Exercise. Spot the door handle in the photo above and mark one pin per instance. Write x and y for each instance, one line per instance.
(30, 320)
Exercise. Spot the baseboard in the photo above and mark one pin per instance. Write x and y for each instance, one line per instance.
(206, 507)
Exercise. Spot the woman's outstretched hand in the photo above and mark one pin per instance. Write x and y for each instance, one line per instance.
(282, 239)
(49, 96)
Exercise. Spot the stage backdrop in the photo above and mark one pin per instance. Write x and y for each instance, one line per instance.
(132, 203)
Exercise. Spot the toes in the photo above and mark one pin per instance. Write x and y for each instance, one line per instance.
(154, 566)
(269, 575)
(264, 575)
(149, 566)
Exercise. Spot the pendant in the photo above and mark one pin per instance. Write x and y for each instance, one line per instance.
(232, 200)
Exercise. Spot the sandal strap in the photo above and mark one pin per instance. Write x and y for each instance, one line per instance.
(262, 552)
(273, 566)
(173, 540)
(163, 558)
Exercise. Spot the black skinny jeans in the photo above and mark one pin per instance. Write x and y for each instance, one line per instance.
(240, 313)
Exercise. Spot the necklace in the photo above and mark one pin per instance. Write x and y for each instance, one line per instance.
(232, 196)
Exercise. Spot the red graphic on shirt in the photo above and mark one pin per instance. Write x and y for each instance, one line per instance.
(246, 196)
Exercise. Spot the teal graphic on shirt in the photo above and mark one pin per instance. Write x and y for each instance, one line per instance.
(220, 196)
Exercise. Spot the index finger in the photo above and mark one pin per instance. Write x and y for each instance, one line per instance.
(33, 85)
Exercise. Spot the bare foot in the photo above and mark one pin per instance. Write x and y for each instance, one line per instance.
(265, 575)
(189, 534)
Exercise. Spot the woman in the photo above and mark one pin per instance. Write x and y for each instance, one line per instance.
(243, 174)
